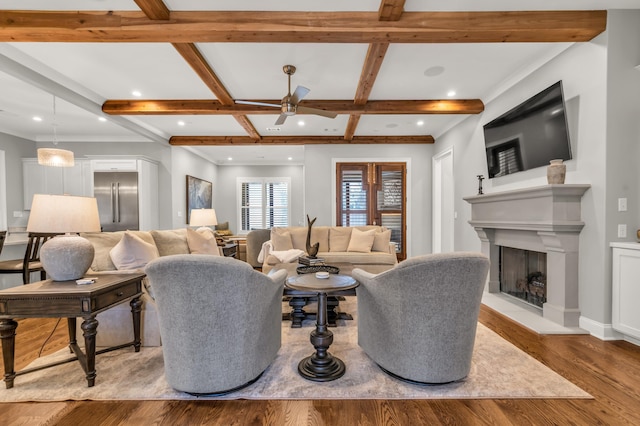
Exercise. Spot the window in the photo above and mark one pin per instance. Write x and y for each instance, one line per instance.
(264, 202)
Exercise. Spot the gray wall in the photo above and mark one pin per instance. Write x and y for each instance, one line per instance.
(601, 92)
(15, 148)
(320, 184)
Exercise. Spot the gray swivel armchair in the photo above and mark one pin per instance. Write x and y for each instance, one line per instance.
(220, 321)
(418, 320)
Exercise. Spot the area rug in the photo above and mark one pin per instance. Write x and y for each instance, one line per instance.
(499, 371)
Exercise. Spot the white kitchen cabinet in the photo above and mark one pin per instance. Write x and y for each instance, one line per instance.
(626, 289)
(37, 179)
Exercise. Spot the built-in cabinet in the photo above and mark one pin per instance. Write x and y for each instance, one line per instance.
(626, 289)
(37, 179)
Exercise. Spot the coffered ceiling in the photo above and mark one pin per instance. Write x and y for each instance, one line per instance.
(385, 67)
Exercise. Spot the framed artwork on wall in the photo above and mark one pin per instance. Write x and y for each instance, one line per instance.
(199, 194)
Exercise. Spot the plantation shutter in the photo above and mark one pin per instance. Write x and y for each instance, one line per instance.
(353, 195)
(264, 203)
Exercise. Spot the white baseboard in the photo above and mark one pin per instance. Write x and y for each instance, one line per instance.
(600, 330)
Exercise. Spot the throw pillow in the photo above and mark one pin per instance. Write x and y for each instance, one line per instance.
(361, 241)
(132, 252)
(202, 243)
(339, 238)
(281, 241)
(381, 241)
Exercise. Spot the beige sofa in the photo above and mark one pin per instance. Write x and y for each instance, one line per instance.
(115, 325)
(365, 247)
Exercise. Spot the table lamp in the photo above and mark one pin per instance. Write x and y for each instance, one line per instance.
(203, 217)
(69, 256)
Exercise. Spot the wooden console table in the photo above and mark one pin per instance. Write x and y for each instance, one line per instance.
(66, 299)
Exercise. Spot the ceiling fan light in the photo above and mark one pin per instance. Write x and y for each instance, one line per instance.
(55, 157)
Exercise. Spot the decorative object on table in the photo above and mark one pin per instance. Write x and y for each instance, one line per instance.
(480, 179)
(309, 261)
(556, 171)
(54, 156)
(199, 194)
(312, 250)
(65, 257)
(317, 268)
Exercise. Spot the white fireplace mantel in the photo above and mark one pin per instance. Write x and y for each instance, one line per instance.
(544, 219)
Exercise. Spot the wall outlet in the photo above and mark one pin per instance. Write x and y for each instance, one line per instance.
(179, 214)
(622, 231)
(17, 214)
(622, 204)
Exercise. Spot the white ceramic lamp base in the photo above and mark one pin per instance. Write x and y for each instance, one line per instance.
(66, 257)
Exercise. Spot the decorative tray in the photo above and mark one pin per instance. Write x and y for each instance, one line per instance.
(317, 268)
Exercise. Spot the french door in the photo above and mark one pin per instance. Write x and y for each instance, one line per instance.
(373, 194)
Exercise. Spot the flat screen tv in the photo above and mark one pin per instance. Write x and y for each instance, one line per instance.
(529, 135)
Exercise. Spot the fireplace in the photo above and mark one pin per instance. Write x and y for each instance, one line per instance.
(523, 275)
(544, 219)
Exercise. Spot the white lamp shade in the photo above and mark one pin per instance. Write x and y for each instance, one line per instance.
(203, 217)
(55, 157)
(63, 213)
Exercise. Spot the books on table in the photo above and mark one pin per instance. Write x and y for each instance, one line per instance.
(310, 261)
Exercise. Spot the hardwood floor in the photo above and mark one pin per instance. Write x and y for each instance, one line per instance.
(610, 371)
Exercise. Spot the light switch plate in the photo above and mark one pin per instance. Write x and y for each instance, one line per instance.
(622, 204)
(622, 231)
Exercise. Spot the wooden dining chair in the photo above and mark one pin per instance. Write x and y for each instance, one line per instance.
(3, 235)
(31, 261)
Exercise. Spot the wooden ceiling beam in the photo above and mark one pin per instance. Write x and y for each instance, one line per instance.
(390, 10)
(213, 107)
(154, 9)
(295, 140)
(301, 27)
(248, 126)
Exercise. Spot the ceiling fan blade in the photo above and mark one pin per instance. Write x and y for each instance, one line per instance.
(258, 103)
(300, 93)
(280, 120)
(316, 111)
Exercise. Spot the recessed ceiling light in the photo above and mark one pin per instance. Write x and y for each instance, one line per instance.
(301, 123)
(229, 158)
(451, 93)
(290, 158)
(102, 119)
(36, 118)
(434, 71)
(420, 123)
(136, 93)
(180, 123)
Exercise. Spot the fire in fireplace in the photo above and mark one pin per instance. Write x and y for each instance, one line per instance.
(523, 274)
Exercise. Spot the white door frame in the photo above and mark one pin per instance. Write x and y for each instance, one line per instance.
(3, 192)
(443, 202)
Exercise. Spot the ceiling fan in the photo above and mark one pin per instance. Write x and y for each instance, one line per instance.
(289, 105)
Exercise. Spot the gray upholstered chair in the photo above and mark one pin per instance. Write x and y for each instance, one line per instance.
(220, 321)
(255, 239)
(418, 320)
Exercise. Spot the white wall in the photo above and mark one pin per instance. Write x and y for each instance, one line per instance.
(603, 112)
(226, 199)
(318, 184)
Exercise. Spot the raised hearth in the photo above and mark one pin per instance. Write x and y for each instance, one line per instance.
(544, 219)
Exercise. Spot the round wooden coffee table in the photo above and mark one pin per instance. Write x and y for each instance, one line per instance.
(321, 366)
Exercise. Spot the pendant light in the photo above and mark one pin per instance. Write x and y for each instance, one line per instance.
(54, 156)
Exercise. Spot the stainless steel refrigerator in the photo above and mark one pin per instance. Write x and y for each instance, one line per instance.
(117, 195)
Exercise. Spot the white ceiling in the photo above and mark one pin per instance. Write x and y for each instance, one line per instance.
(84, 75)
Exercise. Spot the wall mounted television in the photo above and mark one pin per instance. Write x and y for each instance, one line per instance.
(529, 135)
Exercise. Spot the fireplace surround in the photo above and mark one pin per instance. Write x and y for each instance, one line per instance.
(544, 219)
